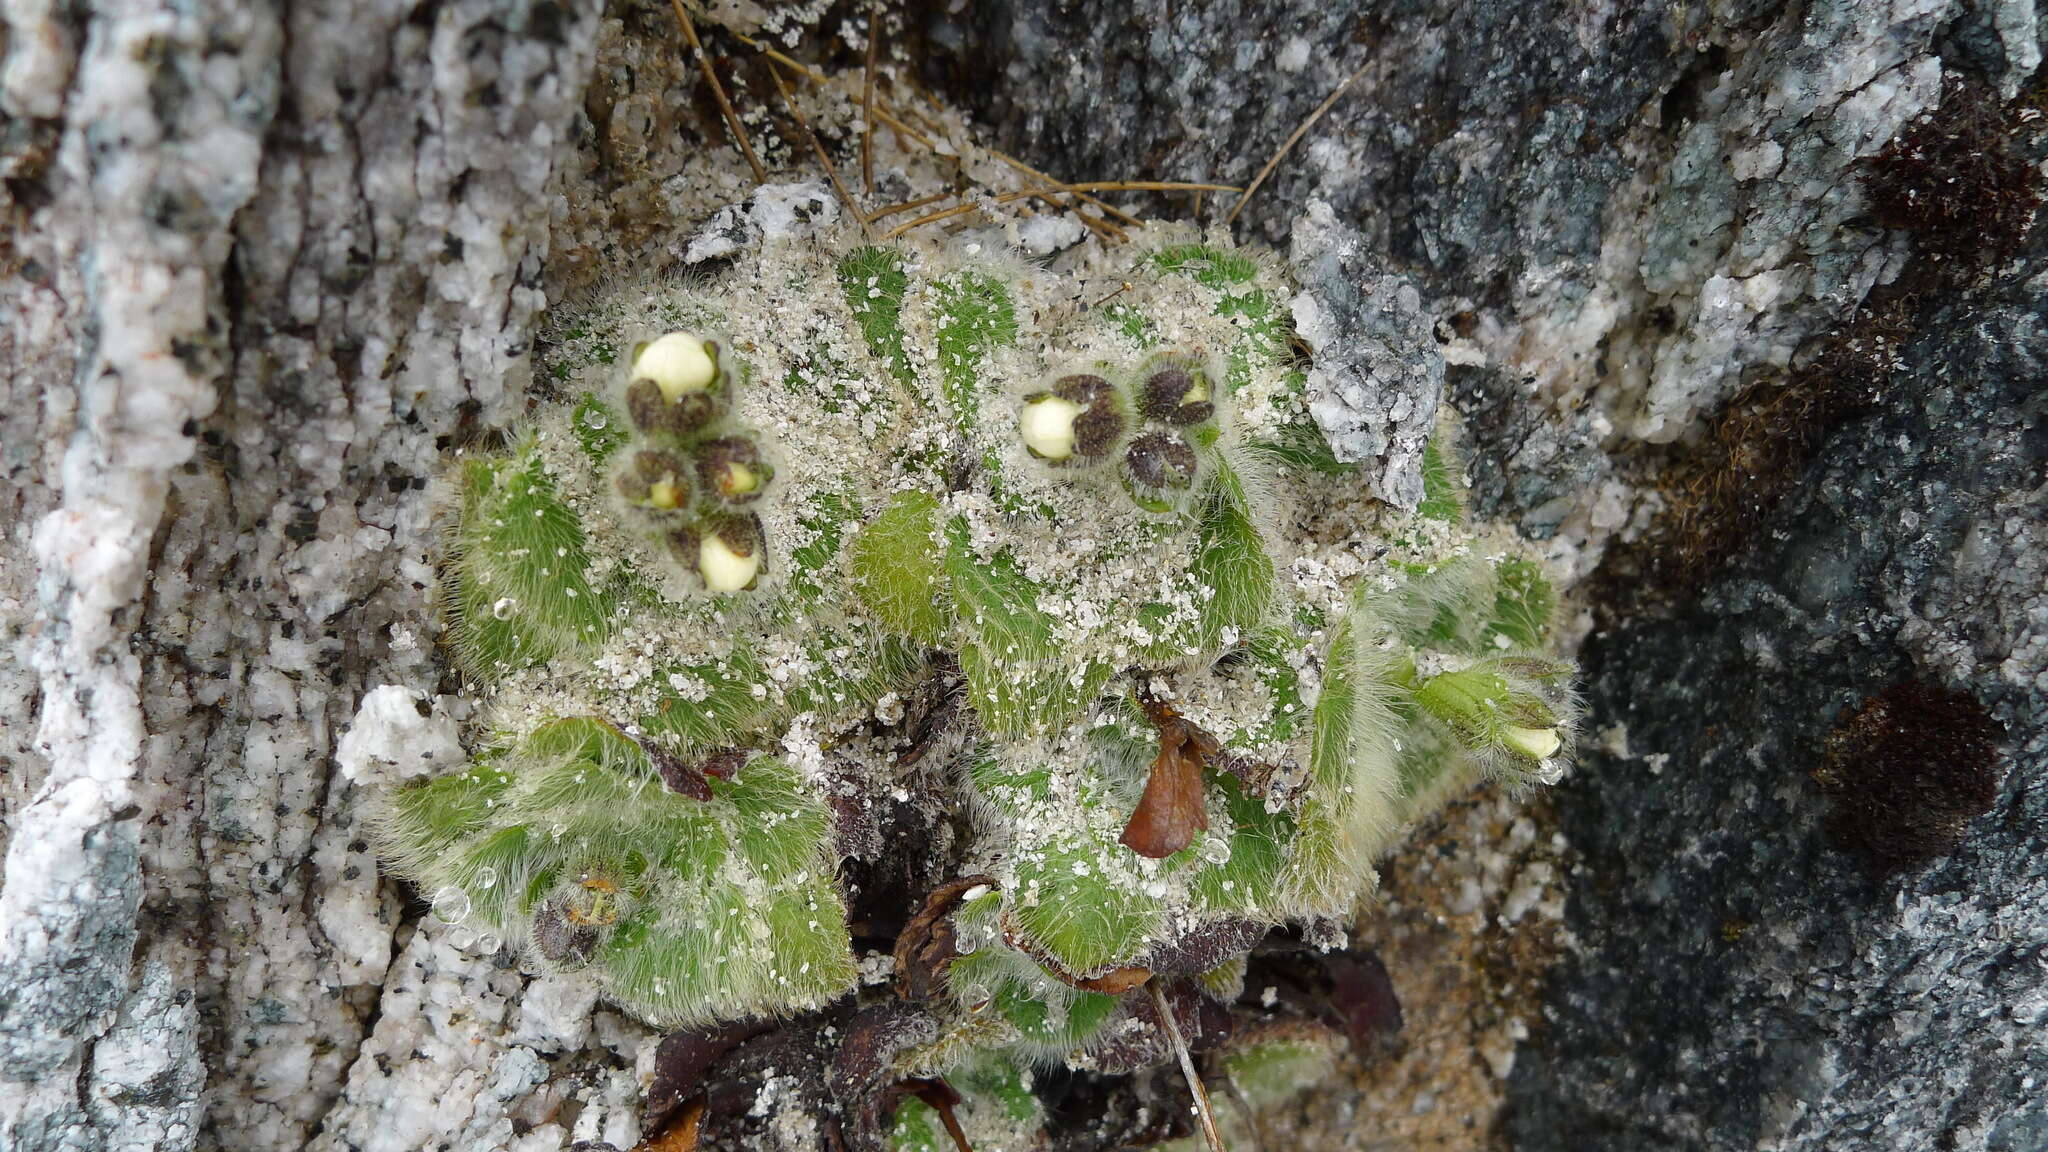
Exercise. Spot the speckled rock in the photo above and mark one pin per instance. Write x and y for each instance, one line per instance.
(259, 268)
(1648, 234)
(1377, 375)
(263, 268)
(1739, 982)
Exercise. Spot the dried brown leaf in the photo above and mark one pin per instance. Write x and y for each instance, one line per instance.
(1173, 810)
(925, 948)
(683, 1062)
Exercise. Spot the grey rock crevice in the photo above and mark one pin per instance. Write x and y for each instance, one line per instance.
(1376, 376)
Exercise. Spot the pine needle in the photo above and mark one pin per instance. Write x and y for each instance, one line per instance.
(907, 205)
(942, 214)
(882, 112)
(957, 210)
(1325, 106)
(1097, 224)
(781, 57)
(1063, 186)
(818, 146)
(1102, 227)
(876, 109)
(1113, 295)
(1187, 1064)
(1151, 186)
(867, 101)
(732, 118)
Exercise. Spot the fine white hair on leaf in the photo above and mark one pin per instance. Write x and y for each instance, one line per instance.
(666, 773)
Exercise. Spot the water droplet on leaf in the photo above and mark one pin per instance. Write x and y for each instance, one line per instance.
(451, 904)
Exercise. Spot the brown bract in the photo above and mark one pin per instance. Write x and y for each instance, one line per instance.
(686, 779)
(1164, 396)
(1172, 810)
(559, 934)
(926, 947)
(1161, 460)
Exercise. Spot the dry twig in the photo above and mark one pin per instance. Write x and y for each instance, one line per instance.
(867, 102)
(818, 146)
(732, 118)
(1325, 106)
(1187, 1065)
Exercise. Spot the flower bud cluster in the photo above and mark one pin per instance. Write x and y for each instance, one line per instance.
(1152, 423)
(690, 480)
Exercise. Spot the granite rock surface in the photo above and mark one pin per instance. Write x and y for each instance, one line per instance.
(263, 268)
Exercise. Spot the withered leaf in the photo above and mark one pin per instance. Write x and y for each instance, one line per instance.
(678, 1136)
(795, 1056)
(1116, 981)
(1135, 1039)
(1173, 809)
(860, 1076)
(725, 763)
(680, 777)
(933, 710)
(926, 947)
(1274, 782)
(682, 1062)
(942, 1098)
(1089, 1112)
(1362, 997)
(1347, 989)
(857, 813)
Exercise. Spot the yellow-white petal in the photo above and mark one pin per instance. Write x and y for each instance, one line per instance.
(725, 570)
(665, 494)
(1047, 426)
(740, 480)
(677, 363)
(1535, 743)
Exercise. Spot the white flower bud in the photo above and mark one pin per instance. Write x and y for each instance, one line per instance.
(677, 363)
(1047, 426)
(723, 569)
(1536, 743)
